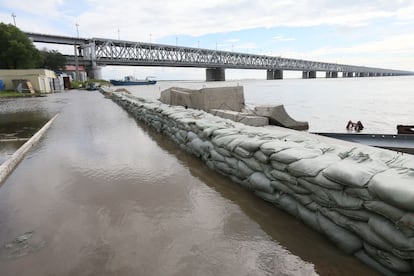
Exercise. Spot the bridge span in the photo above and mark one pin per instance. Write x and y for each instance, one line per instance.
(97, 52)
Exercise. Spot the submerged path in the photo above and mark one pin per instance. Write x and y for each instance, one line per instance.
(104, 195)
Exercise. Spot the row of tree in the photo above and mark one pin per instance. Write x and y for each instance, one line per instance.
(17, 51)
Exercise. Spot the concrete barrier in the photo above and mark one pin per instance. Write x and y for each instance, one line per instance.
(8, 166)
(359, 197)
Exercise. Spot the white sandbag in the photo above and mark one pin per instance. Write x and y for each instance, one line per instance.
(366, 259)
(243, 170)
(343, 200)
(232, 162)
(261, 157)
(322, 181)
(395, 186)
(252, 164)
(318, 193)
(274, 146)
(390, 212)
(361, 215)
(308, 217)
(363, 230)
(407, 220)
(344, 239)
(385, 229)
(305, 200)
(288, 203)
(282, 188)
(214, 155)
(354, 171)
(259, 181)
(241, 152)
(312, 167)
(223, 141)
(223, 168)
(362, 193)
(291, 155)
(278, 166)
(283, 176)
(272, 198)
(252, 144)
(387, 259)
(223, 151)
(196, 146)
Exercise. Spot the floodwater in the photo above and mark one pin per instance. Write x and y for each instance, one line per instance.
(102, 194)
(327, 104)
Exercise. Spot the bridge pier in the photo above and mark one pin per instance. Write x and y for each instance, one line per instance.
(331, 74)
(309, 75)
(348, 74)
(94, 72)
(215, 74)
(274, 74)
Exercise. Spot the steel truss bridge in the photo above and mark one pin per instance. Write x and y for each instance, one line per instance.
(96, 52)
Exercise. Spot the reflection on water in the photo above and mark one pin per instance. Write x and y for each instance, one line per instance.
(109, 196)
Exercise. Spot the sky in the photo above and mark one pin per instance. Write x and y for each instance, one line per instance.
(374, 33)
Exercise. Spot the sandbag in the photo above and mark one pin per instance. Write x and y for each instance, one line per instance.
(344, 239)
(395, 187)
(261, 157)
(362, 193)
(322, 181)
(288, 204)
(278, 166)
(354, 171)
(273, 198)
(223, 151)
(243, 170)
(259, 181)
(366, 259)
(385, 229)
(387, 259)
(241, 152)
(312, 167)
(252, 164)
(214, 155)
(308, 217)
(291, 155)
(390, 212)
(361, 215)
(282, 188)
(274, 146)
(283, 176)
(252, 144)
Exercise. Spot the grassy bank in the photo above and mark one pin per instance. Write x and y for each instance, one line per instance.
(14, 94)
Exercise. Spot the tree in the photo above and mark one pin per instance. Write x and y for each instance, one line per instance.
(16, 49)
(52, 60)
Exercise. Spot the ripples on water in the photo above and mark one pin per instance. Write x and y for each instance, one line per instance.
(106, 195)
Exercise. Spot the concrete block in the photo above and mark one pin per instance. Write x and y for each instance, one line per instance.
(278, 116)
(244, 118)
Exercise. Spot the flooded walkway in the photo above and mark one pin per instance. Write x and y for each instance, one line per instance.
(104, 195)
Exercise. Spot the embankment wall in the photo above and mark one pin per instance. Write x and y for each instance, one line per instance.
(361, 198)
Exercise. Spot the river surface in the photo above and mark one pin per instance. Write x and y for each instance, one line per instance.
(102, 194)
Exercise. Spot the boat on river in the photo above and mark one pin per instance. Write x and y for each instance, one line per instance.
(130, 80)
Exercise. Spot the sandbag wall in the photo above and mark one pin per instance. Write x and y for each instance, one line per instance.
(361, 198)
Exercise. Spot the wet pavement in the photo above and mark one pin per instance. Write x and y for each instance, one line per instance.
(102, 194)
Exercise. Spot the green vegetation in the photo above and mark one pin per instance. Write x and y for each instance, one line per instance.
(16, 49)
(80, 84)
(52, 60)
(77, 84)
(14, 94)
(101, 82)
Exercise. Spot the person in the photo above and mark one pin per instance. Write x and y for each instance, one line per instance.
(350, 125)
(359, 126)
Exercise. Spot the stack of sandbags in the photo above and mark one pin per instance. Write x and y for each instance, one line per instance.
(361, 198)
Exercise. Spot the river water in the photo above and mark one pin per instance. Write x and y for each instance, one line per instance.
(102, 194)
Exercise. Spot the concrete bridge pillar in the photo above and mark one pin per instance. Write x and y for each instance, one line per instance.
(308, 74)
(274, 74)
(334, 74)
(328, 75)
(215, 74)
(94, 72)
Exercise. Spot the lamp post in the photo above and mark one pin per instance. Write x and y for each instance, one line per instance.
(14, 19)
(76, 55)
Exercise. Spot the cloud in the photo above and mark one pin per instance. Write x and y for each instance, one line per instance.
(282, 38)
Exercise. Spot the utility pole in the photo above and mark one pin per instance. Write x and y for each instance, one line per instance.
(14, 18)
(76, 55)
